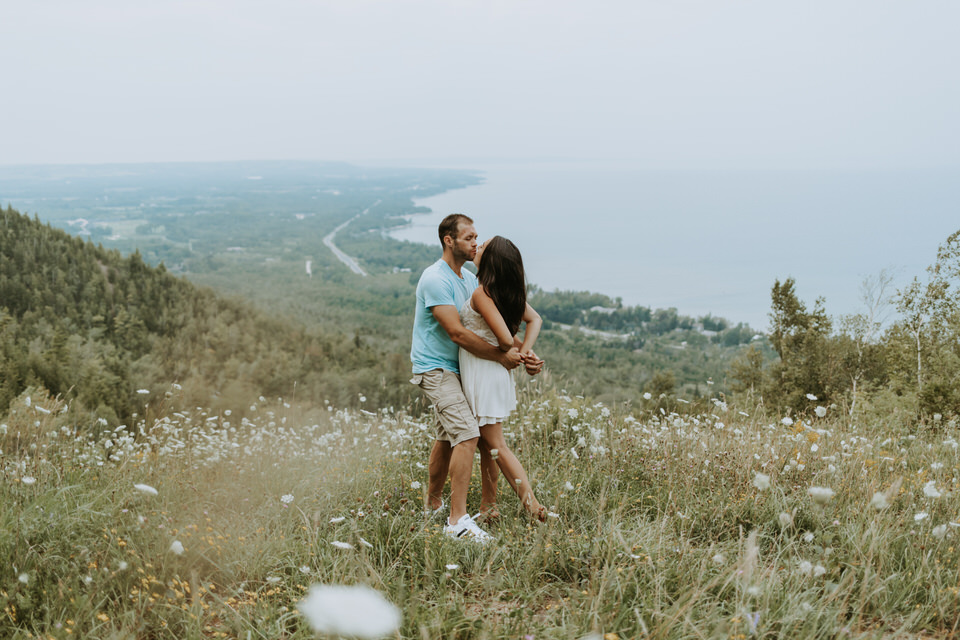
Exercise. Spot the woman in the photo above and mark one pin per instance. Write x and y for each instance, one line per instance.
(494, 312)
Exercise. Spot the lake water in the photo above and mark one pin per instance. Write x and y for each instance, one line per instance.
(707, 241)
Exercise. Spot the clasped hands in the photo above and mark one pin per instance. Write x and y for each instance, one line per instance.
(514, 358)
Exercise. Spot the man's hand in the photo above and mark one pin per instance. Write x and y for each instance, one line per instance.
(511, 359)
(532, 363)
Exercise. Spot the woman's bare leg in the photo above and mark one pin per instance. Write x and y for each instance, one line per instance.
(492, 436)
(489, 476)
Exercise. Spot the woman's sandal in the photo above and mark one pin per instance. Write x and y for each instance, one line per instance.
(489, 516)
(540, 514)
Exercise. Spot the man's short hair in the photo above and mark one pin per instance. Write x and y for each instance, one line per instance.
(450, 226)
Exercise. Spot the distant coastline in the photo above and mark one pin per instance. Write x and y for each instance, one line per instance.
(706, 242)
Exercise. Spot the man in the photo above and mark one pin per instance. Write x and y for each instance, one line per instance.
(437, 336)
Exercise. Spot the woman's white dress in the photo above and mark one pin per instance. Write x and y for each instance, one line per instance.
(487, 385)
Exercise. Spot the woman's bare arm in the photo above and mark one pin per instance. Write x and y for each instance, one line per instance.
(487, 308)
(534, 322)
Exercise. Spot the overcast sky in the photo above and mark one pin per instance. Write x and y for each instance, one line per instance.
(671, 83)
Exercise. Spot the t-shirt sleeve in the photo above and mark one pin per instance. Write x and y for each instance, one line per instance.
(437, 292)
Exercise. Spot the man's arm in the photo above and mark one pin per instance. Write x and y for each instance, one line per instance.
(449, 319)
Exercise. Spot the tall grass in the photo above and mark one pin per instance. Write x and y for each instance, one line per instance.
(664, 529)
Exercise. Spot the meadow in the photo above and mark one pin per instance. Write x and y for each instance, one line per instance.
(728, 522)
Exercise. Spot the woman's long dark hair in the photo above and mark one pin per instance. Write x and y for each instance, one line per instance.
(500, 273)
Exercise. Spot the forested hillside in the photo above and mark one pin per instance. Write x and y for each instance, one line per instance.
(111, 334)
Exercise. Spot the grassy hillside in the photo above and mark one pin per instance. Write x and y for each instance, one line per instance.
(717, 525)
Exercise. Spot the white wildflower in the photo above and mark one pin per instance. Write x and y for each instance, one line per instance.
(337, 520)
(143, 392)
(788, 421)
(147, 489)
(805, 567)
(304, 569)
(919, 517)
(819, 570)
(786, 520)
(24, 578)
(939, 531)
(930, 489)
(176, 547)
(452, 567)
(820, 495)
(286, 498)
(273, 579)
(494, 454)
(28, 480)
(647, 396)
(719, 559)
(122, 565)
(365, 543)
(568, 485)
(356, 611)
(808, 536)
(415, 485)
(761, 481)
(820, 411)
(810, 396)
(573, 452)
(342, 545)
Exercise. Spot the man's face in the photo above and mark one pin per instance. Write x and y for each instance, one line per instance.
(465, 245)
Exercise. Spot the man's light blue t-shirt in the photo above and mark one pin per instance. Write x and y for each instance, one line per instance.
(432, 347)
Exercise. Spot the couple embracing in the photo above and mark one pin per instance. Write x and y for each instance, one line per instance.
(464, 348)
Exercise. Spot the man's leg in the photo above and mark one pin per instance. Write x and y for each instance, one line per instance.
(438, 468)
(461, 466)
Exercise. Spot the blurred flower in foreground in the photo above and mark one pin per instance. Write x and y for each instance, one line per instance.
(811, 397)
(820, 495)
(820, 411)
(788, 421)
(923, 515)
(882, 500)
(28, 479)
(761, 481)
(415, 485)
(357, 611)
(24, 578)
(939, 531)
(286, 498)
(879, 501)
(147, 489)
(176, 547)
(342, 545)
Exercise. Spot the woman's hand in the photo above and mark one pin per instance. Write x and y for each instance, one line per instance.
(531, 362)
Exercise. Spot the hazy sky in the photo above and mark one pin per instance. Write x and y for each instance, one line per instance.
(671, 83)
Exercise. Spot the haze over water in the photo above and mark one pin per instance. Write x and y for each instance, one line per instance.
(708, 241)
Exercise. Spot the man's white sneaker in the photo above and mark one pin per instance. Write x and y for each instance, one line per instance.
(467, 529)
